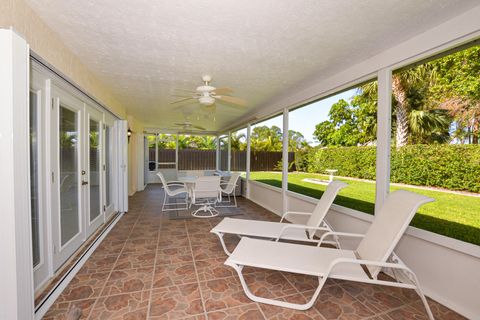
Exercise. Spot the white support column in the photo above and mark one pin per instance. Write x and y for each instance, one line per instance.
(229, 157)
(217, 158)
(247, 174)
(176, 153)
(16, 275)
(384, 113)
(285, 161)
(139, 137)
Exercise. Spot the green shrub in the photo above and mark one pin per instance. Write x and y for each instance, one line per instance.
(454, 167)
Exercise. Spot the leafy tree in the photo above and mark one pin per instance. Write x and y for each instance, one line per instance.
(457, 90)
(296, 141)
(197, 142)
(167, 141)
(238, 141)
(264, 138)
(349, 124)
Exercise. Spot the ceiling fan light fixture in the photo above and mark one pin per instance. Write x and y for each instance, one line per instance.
(206, 100)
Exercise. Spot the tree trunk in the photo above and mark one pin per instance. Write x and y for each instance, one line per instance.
(402, 112)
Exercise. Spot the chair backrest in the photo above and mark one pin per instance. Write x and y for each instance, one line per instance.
(232, 182)
(324, 204)
(388, 226)
(164, 183)
(194, 173)
(206, 187)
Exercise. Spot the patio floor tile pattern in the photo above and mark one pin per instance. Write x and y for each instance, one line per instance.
(150, 267)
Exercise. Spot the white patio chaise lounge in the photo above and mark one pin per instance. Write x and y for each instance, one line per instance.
(374, 252)
(281, 230)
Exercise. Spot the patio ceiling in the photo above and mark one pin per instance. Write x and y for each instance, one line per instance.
(142, 49)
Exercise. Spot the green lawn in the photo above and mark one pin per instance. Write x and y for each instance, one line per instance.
(453, 215)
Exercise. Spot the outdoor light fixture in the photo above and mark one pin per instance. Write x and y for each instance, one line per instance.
(129, 134)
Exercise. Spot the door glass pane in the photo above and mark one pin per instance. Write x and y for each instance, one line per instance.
(108, 166)
(34, 178)
(94, 135)
(69, 221)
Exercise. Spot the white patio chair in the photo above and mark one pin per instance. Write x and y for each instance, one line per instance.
(228, 188)
(281, 230)
(206, 193)
(374, 252)
(173, 194)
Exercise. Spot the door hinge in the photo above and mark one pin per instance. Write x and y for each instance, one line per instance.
(53, 177)
(104, 167)
(53, 102)
(104, 208)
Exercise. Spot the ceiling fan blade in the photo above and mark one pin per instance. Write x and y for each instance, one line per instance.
(181, 100)
(224, 90)
(199, 127)
(233, 100)
(182, 95)
(185, 90)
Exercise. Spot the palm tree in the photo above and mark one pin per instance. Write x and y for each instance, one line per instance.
(402, 83)
(237, 141)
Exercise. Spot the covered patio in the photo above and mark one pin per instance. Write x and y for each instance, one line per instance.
(108, 104)
(151, 267)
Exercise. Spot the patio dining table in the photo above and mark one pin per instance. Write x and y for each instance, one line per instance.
(189, 182)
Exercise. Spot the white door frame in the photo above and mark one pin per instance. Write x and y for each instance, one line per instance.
(16, 272)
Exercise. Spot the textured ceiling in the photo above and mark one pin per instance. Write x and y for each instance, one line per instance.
(143, 49)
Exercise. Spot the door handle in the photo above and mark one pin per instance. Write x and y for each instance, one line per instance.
(84, 183)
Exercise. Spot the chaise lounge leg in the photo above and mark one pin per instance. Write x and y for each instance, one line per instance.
(422, 296)
(224, 246)
(278, 303)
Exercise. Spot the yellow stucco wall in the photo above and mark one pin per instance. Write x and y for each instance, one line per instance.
(44, 41)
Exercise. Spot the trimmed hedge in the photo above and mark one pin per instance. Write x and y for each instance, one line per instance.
(454, 167)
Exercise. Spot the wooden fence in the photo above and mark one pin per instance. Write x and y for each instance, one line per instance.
(194, 159)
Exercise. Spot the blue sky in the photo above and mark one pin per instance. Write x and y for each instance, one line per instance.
(305, 119)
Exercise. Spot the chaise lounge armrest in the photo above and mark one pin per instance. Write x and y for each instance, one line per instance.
(295, 213)
(300, 226)
(339, 234)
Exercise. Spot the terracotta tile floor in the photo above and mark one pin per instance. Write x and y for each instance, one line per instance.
(150, 267)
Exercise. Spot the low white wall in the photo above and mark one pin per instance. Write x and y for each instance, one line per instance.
(448, 269)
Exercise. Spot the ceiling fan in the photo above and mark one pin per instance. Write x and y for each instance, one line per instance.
(207, 94)
(188, 126)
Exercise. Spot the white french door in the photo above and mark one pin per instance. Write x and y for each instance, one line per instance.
(109, 165)
(92, 181)
(78, 174)
(68, 209)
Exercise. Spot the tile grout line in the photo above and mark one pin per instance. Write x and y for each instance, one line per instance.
(261, 311)
(375, 313)
(301, 294)
(153, 272)
(196, 271)
(116, 260)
